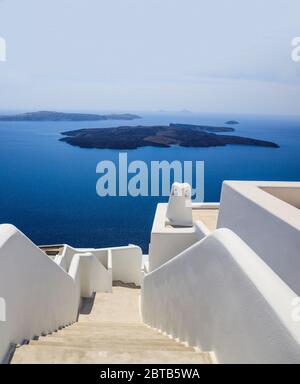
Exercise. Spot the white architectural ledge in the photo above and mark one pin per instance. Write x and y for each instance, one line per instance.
(219, 296)
(266, 216)
(168, 240)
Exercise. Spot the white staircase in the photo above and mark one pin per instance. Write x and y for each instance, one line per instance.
(109, 330)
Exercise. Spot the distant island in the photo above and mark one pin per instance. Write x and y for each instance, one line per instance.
(61, 116)
(232, 122)
(205, 128)
(184, 135)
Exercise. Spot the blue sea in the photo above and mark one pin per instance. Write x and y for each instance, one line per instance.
(48, 188)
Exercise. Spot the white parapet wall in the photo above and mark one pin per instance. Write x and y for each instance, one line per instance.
(65, 258)
(123, 263)
(266, 216)
(219, 296)
(167, 240)
(38, 296)
(94, 277)
(126, 264)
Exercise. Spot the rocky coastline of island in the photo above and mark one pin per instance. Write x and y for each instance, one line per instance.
(62, 116)
(183, 135)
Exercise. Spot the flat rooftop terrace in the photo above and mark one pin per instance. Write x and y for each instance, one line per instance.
(208, 216)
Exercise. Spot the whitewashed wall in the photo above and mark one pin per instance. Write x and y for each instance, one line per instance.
(40, 296)
(270, 226)
(126, 264)
(167, 241)
(122, 263)
(220, 296)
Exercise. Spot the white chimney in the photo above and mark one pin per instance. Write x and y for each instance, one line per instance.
(179, 211)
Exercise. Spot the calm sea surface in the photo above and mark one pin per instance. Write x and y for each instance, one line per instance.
(48, 188)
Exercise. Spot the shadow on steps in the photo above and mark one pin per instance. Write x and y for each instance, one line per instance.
(87, 304)
(119, 283)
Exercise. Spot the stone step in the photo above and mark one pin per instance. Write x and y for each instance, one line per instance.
(95, 323)
(100, 327)
(102, 335)
(110, 331)
(112, 345)
(68, 355)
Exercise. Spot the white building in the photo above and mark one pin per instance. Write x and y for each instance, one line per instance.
(220, 284)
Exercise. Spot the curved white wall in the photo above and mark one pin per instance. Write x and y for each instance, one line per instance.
(39, 295)
(220, 296)
(269, 225)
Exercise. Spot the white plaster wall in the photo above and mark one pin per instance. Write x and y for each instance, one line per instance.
(102, 256)
(126, 264)
(220, 296)
(122, 263)
(270, 226)
(165, 246)
(65, 259)
(167, 241)
(39, 295)
(94, 276)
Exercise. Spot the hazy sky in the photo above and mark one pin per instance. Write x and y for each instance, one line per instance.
(130, 55)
